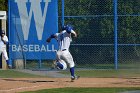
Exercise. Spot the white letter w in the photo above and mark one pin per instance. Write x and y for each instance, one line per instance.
(39, 17)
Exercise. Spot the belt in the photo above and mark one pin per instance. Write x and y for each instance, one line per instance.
(64, 49)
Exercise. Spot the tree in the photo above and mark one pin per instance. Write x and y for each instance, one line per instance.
(99, 29)
(3, 5)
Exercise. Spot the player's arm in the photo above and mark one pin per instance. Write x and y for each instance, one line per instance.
(4, 41)
(51, 37)
(74, 33)
(70, 30)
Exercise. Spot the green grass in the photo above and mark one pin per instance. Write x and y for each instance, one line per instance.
(127, 65)
(106, 73)
(16, 74)
(84, 73)
(84, 90)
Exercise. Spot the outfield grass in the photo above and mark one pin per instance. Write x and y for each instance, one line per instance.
(106, 73)
(82, 73)
(127, 65)
(85, 90)
(16, 74)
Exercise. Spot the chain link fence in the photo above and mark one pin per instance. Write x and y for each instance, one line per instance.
(94, 48)
(93, 20)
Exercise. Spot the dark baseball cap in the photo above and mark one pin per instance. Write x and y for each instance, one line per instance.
(2, 32)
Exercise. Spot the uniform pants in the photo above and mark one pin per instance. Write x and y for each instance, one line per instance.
(65, 56)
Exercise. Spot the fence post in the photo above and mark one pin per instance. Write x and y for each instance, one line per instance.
(9, 31)
(40, 64)
(63, 11)
(115, 35)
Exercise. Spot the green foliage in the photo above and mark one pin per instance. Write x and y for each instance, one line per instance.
(99, 29)
(102, 27)
(3, 5)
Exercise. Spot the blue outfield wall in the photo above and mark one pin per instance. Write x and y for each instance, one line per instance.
(30, 23)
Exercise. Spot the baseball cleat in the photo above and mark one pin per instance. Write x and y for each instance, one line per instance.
(9, 67)
(75, 78)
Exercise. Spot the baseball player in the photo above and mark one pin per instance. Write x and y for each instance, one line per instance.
(3, 43)
(63, 55)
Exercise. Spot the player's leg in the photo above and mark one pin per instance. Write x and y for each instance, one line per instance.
(69, 59)
(58, 53)
(4, 52)
(60, 64)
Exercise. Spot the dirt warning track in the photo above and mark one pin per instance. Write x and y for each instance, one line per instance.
(12, 85)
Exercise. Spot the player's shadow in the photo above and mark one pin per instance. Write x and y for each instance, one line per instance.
(69, 81)
(29, 81)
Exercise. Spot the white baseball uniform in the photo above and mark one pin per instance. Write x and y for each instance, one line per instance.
(64, 39)
(3, 47)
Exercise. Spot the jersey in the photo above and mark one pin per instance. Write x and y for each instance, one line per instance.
(64, 39)
(2, 45)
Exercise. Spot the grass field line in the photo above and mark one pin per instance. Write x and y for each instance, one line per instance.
(136, 91)
(54, 74)
(19, 88)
